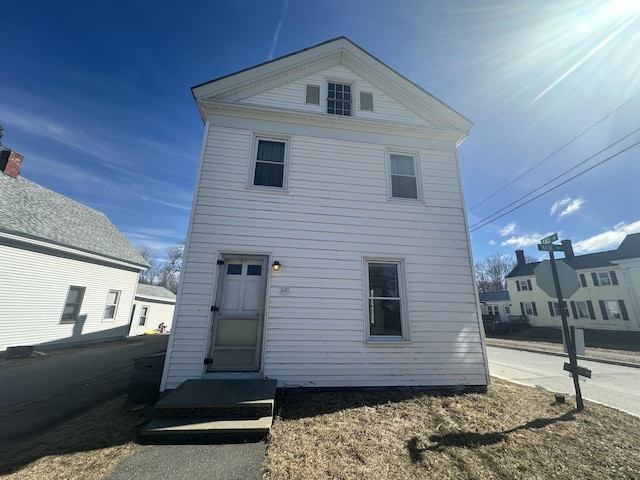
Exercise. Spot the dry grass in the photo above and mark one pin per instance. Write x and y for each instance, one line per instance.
(511, 432)
(86, 447)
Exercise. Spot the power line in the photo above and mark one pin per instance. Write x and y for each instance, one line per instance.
(557, 177)
(554, 152)
(553, 188)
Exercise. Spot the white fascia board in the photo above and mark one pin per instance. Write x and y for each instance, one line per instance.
(69, 251)
(216, 110)
(153, 298)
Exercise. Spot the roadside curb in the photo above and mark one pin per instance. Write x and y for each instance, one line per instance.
(579, 357)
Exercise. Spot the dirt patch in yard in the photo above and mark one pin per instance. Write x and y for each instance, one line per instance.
(511, 432)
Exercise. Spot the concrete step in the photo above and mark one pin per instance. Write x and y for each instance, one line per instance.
(207, 429)
(239, 410)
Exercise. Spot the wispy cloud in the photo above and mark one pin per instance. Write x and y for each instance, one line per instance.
(522, 240)
(567, 206)
(508, 229)
(274, 42)
(607, 240)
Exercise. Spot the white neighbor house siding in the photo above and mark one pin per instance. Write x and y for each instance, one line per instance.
(32, 302)
(159, 311)
(335, 213)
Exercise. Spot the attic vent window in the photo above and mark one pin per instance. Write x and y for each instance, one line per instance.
(339, 99)
(313, 94)
(366, 101)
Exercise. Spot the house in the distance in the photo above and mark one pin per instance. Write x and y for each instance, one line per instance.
(328, 242)
(68, 275)
(152, 310)
(606, 300)
(495, 306)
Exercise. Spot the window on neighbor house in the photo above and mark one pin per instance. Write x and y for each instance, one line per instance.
(507, 310)
(312, 95)
(613, 310)
(555, 309)
(339, 99)
(403, 176)
(493, 310)
(72, 304)
(523, 285)
(527, 308)
(270, 165)
(144, 312)
(112, 304)
(604, 278)
(386, 307)
(582, 310)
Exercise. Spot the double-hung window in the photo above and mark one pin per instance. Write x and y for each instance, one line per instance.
(270, 163)
(403, 176)
(72, 304)
(339, 99)
(582, 310)
(112, 304)
(144, 312)
(386, 307)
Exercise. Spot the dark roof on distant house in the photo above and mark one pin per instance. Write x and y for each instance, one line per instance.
(33, 212)
(144, 290)
(629, 248)
(494, 296)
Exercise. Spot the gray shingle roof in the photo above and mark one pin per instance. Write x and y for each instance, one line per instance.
(154, 291)
(35, 212)
(629, 248)
(494, 296)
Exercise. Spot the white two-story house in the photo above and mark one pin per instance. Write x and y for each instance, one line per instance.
(328, 242)
(606, 300)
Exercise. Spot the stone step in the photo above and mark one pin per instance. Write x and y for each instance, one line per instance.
(238, 410)
(207, 429)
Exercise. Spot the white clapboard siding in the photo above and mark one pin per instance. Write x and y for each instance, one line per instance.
(33, 301)
(336, 213)
(292, 96)
(159, 311)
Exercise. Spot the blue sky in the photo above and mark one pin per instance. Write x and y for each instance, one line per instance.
(96, 96)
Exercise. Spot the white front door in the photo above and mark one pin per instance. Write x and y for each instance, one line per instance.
(237, 324)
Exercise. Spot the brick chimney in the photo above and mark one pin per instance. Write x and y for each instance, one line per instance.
(520, 257)
(568, 248)
(10, 162)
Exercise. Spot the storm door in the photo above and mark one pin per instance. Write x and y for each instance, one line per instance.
(238, 316)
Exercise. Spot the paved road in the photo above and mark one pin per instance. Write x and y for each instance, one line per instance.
(613, 385)
(37, 394)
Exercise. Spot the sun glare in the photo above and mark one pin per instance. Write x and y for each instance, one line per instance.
(623, 7)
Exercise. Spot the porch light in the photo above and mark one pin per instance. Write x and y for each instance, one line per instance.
(276, 266)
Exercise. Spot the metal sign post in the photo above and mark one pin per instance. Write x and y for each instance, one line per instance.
(546, 244)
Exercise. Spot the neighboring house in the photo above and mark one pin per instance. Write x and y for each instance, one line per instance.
(495, 306)
(153, 306)
(606, 300)
(68, 275)
(328, 242)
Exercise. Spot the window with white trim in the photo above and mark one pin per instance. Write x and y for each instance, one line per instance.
(112, 304)
(582, 309)
(611, 310)
(339, 99)
(528, 308)
(523, 285)
(386, 306)
(72, 304)
(144, 312)
(604, 278)
(556, 309)
(270, 163)
(403, 176)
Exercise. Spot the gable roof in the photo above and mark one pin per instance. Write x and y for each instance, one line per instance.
(494, 296)
(629, 248)
(145, 290)
(36, 214)
(251, 81)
